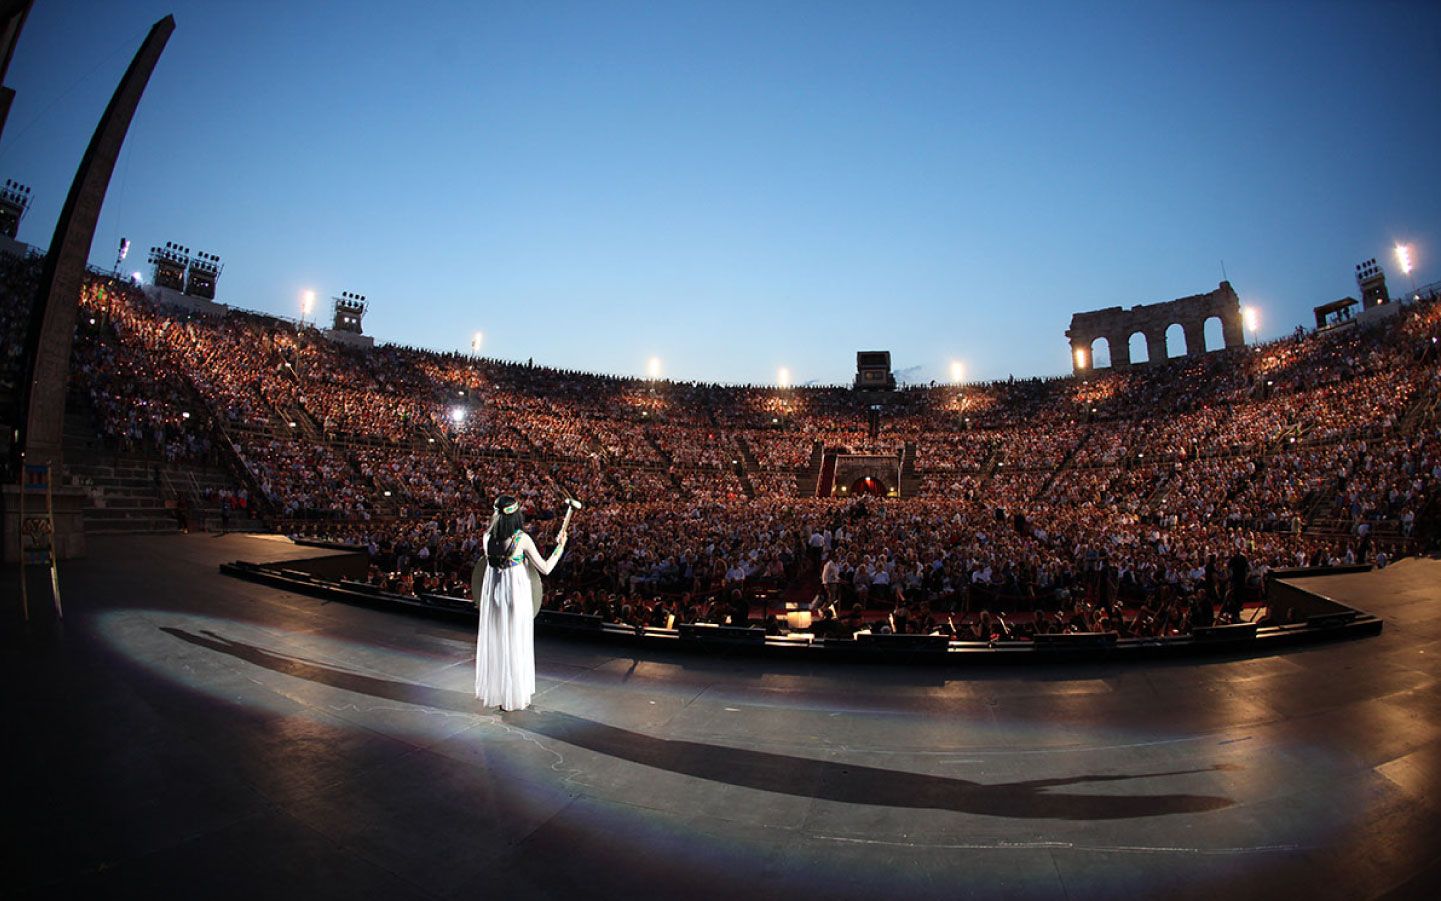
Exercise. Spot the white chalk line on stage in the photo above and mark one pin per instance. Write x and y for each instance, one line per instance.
(1065, 846)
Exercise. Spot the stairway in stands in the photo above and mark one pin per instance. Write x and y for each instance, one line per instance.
(1065, 464)
(135, 494)
(746, 485)
(747, 456)
(988, 469)
(654, 443)
(807, 479)
(910, 482)
(747, 465)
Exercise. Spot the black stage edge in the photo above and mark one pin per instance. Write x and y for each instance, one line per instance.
(1312, 618)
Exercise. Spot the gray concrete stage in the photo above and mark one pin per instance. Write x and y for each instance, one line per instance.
(187, 735)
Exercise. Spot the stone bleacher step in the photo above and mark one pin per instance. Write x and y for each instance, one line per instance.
(237, 524)
(129, 526)
(115, 501)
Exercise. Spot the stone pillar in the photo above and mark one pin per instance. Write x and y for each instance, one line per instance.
(1120, 351)
(1228, 307)
(1156, 345)
(1233, 330)
(1195, 336)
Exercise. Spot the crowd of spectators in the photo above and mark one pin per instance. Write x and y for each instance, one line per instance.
(1127, 493)
(19, 280)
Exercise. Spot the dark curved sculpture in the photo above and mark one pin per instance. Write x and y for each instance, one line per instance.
(52, 323)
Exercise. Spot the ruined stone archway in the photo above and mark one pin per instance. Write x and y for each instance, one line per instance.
(1117, 326)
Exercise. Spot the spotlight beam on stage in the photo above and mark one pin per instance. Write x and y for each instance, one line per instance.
(760, 770)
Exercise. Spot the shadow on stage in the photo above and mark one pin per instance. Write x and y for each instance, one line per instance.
(783, 774)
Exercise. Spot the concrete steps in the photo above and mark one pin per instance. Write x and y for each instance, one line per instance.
(137, 494)
(123, 495)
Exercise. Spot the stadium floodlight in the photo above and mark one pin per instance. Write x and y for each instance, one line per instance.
(1403, 256)
(457, 415)
(307, 303)
(958, 371)
(1253, 321)
(1408, 266)
(1080, 358)
(652, 368)
(475, 343)
(784, 377)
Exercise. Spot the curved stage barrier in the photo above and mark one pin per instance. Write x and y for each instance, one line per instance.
(1305, 617)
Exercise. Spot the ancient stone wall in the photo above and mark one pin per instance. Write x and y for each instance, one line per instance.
(1152, 320)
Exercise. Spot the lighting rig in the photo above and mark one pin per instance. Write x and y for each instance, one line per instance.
(349, 310)
(202, 275)
(14, 202)
(1372, 282)
(170, 263)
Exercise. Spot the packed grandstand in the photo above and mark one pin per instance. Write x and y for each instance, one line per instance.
(1146, 501)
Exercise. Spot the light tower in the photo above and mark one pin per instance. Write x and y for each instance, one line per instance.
(1372, 282)
(202, 274)
(168, 266)
(14, 202)
(349, 310)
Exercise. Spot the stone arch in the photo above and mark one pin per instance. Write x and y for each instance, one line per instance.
(1213, 333)
(1099, 353)
(1139, 349)
(1175, 340)
(868, 485)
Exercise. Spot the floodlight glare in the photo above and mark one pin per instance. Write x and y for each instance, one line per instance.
(1252, 318)
(307, 303)
(957, 371)
(1403, 256)
(475, 343)
(457, 415)
(653, 368)
(1080, 358)
(784, 377)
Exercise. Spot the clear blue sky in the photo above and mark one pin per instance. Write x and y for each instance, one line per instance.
(739, 186)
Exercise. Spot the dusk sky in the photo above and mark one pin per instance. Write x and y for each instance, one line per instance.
(740, 186)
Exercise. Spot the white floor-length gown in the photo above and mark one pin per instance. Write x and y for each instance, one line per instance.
(505, 645)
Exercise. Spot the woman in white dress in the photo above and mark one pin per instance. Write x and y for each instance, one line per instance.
(501, 586)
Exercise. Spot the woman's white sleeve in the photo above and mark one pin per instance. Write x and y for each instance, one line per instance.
(532, 553)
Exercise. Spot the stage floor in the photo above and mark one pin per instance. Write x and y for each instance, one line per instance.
(183, 733)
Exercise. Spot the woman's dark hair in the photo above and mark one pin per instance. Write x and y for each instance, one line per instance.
(498, 546)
